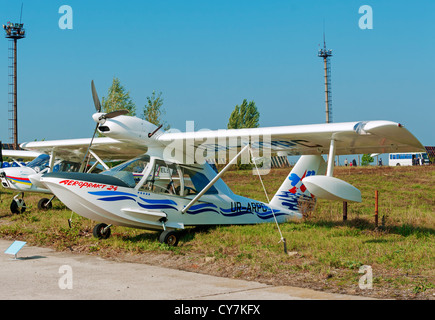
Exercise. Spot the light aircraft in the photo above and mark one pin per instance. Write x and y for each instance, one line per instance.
(170, 186)
(18, 177)
(61, 156)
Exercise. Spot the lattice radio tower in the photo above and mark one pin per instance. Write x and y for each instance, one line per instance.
(13, 32)
(326, 54)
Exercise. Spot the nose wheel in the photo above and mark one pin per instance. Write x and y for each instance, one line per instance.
(18, 205)
(102, 231)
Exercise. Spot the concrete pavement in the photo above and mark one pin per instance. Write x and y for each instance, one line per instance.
(41, 273)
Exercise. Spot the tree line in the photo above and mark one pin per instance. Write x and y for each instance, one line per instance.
(244, 116)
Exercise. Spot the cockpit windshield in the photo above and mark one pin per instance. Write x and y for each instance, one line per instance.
(131, 172)
(39, 163)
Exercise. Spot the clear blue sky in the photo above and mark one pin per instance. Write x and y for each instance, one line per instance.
(207, 56)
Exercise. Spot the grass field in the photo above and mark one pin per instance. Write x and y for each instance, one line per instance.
(326, 253)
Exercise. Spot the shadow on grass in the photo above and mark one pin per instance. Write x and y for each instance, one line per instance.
(148, 236)
(186, 235)
(5, 214)
(404, 230)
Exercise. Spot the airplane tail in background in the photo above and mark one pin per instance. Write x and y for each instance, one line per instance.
(293, 192)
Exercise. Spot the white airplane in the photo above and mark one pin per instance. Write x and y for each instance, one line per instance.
(61, 156)
(170, 186)
(18, 177)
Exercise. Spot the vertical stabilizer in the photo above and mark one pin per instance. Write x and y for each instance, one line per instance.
(293, 193)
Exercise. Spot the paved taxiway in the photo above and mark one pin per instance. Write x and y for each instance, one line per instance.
(41, 273)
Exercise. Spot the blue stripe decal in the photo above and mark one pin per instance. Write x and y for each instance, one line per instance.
(111, 193)
(117, 198)
(158, 201)
(203, 205)
(149, 203)
(206, 208)
(156, 206)
(201, 211)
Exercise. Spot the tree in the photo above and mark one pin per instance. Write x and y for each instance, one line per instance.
(366, 160)
(153, 111)
(244, 116)
(117, 99)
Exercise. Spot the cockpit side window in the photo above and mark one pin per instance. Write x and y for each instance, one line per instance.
(198, 180)
(163, 178)
(66, 166)
(39, 163)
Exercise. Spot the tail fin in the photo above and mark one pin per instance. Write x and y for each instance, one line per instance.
(292, 191)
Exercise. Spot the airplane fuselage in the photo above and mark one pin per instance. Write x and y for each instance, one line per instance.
(102, 201)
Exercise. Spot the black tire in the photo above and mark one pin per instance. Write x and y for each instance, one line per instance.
(44, 204)
(18, 208)
(169, 237)
(101, 232)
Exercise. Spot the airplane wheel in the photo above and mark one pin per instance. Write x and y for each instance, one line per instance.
(169, 237)
(18, 206)
(101, 231)
(44, 204)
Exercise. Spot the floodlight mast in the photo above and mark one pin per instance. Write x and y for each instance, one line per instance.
(325, 54)
(15, 32)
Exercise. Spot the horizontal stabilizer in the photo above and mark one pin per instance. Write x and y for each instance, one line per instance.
(331, 188)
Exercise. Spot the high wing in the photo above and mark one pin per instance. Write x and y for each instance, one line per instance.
(20, 154)
(350, 138)
(75, 149)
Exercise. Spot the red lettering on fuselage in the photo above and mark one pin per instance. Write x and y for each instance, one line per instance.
(82, 184)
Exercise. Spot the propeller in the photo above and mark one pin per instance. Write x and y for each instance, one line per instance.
(95, 97)
(110, 115)
(101, 118)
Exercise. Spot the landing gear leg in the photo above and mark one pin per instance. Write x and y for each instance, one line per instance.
(18, 205)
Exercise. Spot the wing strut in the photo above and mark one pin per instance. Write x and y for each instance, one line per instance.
(99, 159)
(52, 159)
(331, 156)
(213, 181)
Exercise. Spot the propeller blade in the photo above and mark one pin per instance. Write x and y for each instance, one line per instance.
(115, 113)
(95, 97)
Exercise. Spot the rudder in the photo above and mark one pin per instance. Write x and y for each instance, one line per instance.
(293, 192)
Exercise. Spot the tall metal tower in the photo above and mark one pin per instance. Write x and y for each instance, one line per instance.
(326, 54)
(14, 32)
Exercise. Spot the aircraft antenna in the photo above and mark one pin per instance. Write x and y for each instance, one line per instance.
(326, 54)
(13, 32)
